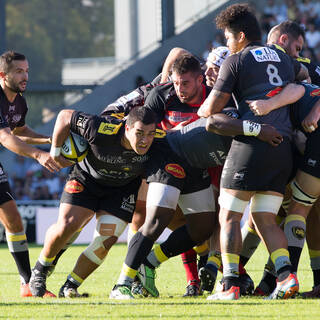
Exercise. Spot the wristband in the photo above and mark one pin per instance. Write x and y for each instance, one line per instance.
(251, 128)
(55, 151)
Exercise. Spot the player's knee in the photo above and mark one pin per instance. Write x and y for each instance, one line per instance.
(300, 196)
(108, 230)
(96, 251)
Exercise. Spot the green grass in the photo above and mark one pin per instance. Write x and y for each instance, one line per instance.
(170, 282)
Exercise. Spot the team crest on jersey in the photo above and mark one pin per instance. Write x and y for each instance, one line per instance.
(264, 54)
(109, 128)
(176, 170)
(315, 92)
(73, 186)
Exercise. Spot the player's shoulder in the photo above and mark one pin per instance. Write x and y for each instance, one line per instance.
(110, 124)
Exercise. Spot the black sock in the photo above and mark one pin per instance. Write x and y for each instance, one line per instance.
(138, 249)
(243, 260)
(284, 272)
(294, 254)
(270, 280)
(179, 241)
(230, 282)
(56, 259)
(23, 264)
(40, 267)
(316, 277)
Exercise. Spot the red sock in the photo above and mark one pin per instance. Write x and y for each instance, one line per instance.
(189, 259)
(242, 270)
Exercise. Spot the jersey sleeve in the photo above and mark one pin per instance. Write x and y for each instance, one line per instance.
(227, 75)
(93, 128)
(156, 102)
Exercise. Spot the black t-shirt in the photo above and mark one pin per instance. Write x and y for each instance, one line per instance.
(170, 111)
(314, 70)
(254, 73)
(200, 148)
(12, 114)
(107, 161)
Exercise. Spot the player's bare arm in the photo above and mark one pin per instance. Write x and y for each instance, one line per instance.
(29, 136)
(310, 122)
(171, 58)
(14, 144)
(222, 124)
(215, 102)
(290, 94)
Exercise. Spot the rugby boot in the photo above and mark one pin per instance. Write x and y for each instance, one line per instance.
(207, 278)
(37, 283)
(138, 290)
(285, 289)
(232, 294)
(246, 285)
(147, 277)
(121, 292)
(193, 289)
(314, 293)
(258, 292)
(25, 292)
(70, 290)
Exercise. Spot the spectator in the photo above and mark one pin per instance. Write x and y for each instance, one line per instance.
(312, 35)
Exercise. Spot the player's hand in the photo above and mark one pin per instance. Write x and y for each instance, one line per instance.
(310, 122)
(259, 107)
(63, 162)
(45, 159)
(270, 135)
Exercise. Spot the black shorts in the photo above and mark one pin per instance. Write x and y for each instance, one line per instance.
(118, 201)
(168, 168)
(310, 162)
(5, 190)
(254, 165)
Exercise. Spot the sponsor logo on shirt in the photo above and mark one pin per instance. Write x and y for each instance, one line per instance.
(128, 204)
(238, 176)
(312, 162)
(81, 121)
(315, 92)
(73, 186)
(263, 54)
(273, 92)
(109, 128)
(176, 170)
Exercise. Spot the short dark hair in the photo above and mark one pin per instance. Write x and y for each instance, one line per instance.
(289, 27)
(143, 114)
(186, 63)
(7, 58)
(237, 18)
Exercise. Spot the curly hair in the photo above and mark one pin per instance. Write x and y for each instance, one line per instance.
(237, 18)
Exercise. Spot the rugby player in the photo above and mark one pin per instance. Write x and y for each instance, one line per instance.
(14, 135)
(246, 175)
(105, 183)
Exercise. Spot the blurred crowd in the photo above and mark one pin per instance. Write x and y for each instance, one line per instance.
(31, 181)
(305, 12)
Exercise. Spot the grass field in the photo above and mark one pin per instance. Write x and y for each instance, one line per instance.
(170, 304)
